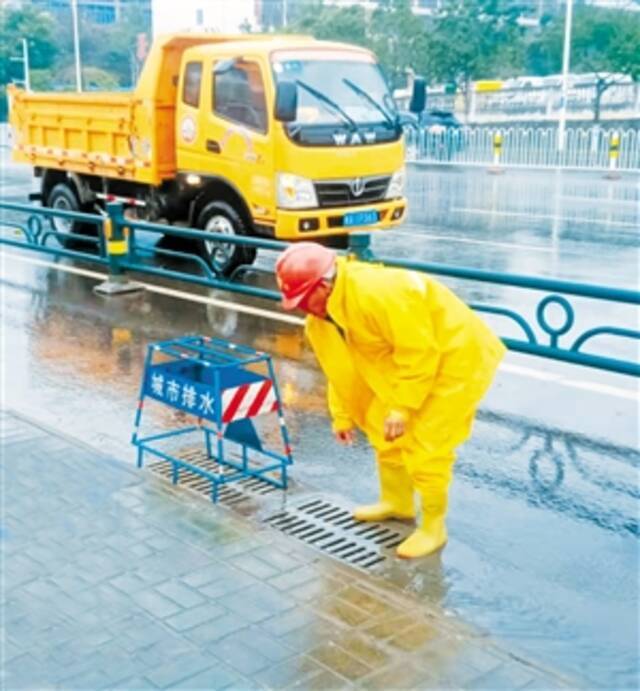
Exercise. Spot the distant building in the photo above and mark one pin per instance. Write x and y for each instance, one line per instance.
(228, 17)
(97, 11)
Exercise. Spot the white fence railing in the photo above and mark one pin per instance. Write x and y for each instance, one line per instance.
(592, 149)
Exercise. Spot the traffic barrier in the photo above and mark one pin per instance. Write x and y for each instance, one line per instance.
(35, 238)
(223, 387)
(526, 147)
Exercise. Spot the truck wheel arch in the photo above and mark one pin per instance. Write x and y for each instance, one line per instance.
(217, 189)
(84, 191)
(52, 177)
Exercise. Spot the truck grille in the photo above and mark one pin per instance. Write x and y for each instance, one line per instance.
(344, 192)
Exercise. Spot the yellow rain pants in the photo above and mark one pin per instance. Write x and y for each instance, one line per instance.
(402, 342)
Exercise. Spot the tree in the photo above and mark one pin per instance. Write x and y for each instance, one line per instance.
(34, 25)
(472, 39)
(604, 43)
(278, 15)
(39, 30)
(42, 80)
(114, 53)
(332, 23)
(392, 31)
(93, 79)
(399, 39)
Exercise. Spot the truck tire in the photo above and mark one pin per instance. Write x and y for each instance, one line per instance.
(224, 258)
(64, 198)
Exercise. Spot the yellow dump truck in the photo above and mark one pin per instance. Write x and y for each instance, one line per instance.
(279, 136)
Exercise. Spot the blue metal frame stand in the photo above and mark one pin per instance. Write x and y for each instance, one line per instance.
(223, 386)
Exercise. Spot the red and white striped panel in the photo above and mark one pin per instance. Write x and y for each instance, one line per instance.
(248, 400)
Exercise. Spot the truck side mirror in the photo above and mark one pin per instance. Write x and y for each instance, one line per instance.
(419, 96)
(286, 102)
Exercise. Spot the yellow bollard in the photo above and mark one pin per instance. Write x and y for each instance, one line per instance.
(614, 153)
(115, 246)
(497, 153)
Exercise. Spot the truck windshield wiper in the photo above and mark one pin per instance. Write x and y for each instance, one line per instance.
(328, 102)
(361, 92)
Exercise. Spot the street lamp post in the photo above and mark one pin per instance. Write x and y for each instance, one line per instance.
(25, 63)
(76, 44)
(26, 76)
(566, 57)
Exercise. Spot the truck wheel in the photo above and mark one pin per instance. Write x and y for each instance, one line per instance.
(62, 197)
(224, 257)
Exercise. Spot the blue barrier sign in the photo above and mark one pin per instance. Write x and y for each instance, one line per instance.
(223, 386)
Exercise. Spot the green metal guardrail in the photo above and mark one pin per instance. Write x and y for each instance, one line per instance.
(116, 246)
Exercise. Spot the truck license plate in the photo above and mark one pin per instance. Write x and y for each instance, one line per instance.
(360, 218)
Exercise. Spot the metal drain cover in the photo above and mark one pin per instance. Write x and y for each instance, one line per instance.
(327, 525)
(234, 494)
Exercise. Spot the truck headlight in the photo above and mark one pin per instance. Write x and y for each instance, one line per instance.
(295, 192)
(396, 185)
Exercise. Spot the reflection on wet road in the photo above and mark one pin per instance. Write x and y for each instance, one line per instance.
(573, 226)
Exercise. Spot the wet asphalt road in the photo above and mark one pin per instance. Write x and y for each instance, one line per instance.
(544, 509)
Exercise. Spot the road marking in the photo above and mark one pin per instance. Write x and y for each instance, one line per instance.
(617, 391)
(526, 214)
(604, 388)
(451, 238)
(15, 191)
(599, 201)
(162, 290)
(518, 370)
(235, 306)
(527, 372)
(52, 265)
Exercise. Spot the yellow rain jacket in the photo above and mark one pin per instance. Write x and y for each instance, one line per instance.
(404, 343)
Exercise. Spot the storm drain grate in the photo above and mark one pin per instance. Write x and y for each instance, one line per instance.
(230, 495)
(329, 527)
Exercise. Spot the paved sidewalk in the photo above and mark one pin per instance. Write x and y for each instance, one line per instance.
(112, 579)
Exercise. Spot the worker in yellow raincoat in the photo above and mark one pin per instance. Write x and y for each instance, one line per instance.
(407, 362)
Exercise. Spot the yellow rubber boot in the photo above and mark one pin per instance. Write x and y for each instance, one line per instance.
(380, 511)
(396, 496)
(431, 478)
(428, 538)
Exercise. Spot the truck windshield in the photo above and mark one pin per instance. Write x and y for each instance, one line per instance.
(350, 81)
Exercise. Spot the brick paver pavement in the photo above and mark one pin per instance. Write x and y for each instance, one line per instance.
(112, 579)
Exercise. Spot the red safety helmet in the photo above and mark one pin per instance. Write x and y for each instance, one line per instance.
(300, 268)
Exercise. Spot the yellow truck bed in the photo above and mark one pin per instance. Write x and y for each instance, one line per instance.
(106, 134)
(130, 136)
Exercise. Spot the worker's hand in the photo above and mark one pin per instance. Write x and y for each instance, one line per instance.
(346, 437)
(394, 426)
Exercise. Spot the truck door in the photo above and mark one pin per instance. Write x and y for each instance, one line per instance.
(190, 134)
(233, 139)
